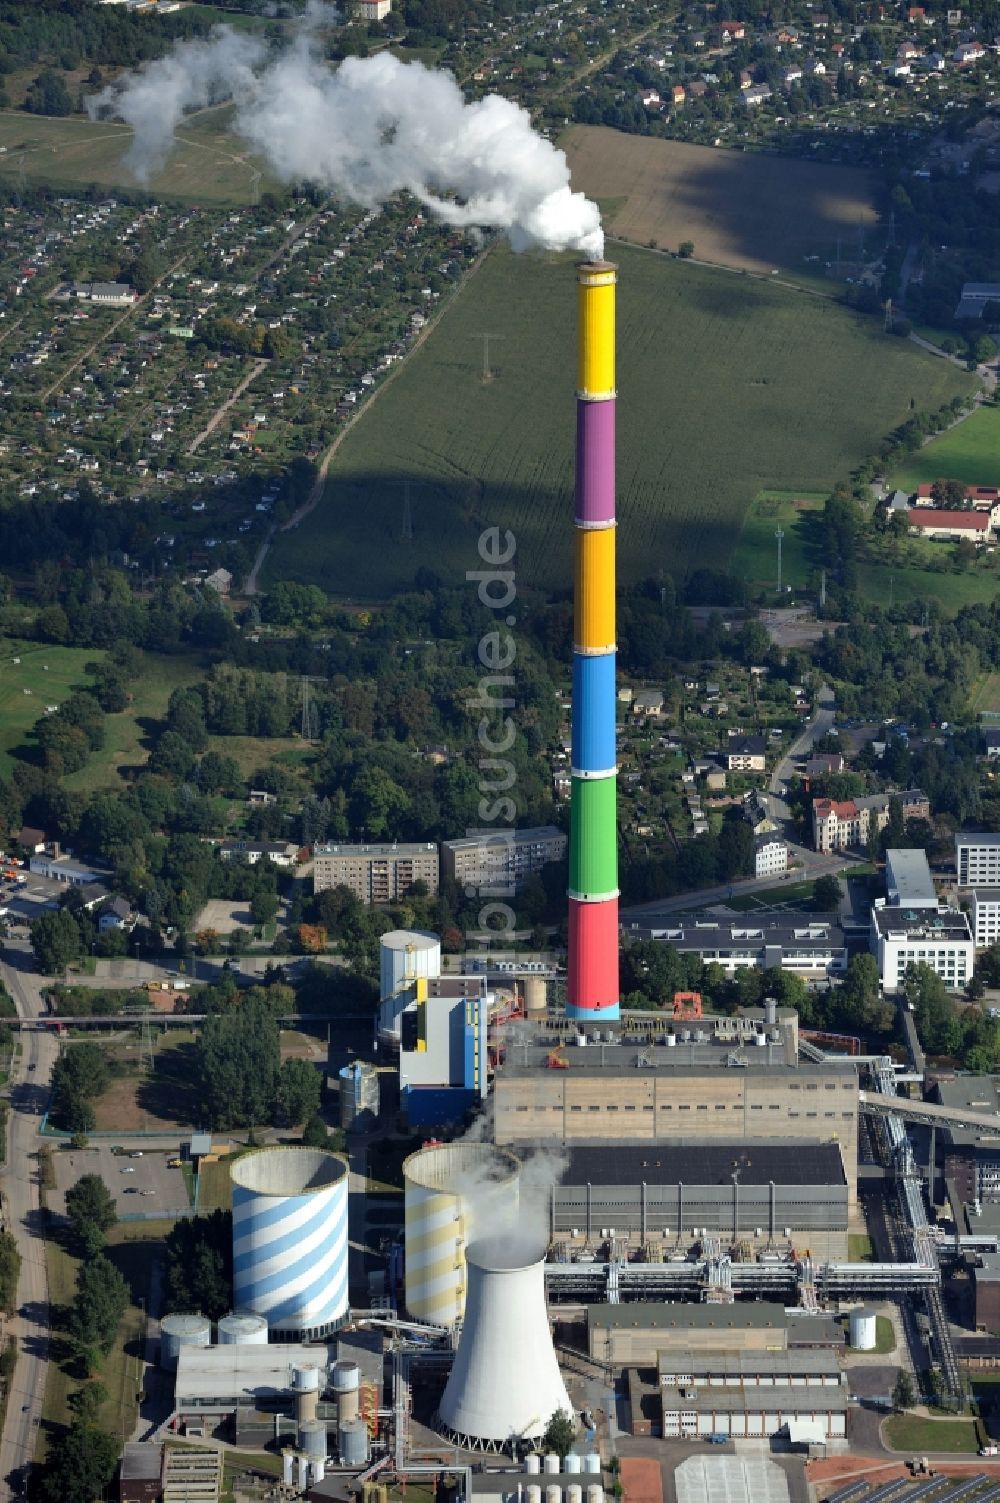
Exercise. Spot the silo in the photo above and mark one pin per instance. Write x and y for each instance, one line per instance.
(533, 1463)
(595, 1493)
(573, 1462)
(242, 1330)
(863, 1330)
(287, 1466)
(592, 1462)
(405, 954)
(552, 1464)
(346, 1384)
(553, 1493)
(451, 1190)
(574, 1493)
(312, 1438)
(505, 1379)
(307, 1383)
(182, 1330)
(535, 995)
(534, 1493)
(290, 1239)
(352, 1442)
(359, 1095)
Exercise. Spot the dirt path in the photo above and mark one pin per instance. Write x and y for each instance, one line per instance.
(316, 491)
(220, 412)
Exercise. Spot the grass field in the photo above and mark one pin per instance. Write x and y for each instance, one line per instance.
(910, 1432)
(127, 734)
(859, 1248)
(215, 1191)
(738, 208)
(207, 164)
(969, 452)
(883, 581)
(710, 366)
(254, 752)
(755, 556)
(31, 677)
(985, 698)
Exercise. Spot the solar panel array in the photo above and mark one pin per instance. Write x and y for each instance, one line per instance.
(849, 1493)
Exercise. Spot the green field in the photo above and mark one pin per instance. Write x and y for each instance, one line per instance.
(985, 698)
(970, 452)
(755, 557)
(886, 582)
(42, 676)
(711, 364)
(206, 165)
(910, 1432)
(127, 739)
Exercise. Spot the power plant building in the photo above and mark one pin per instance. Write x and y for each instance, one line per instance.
(813, 946)
(710, 1088)
(592, 990)
(443, 1028)
(290, 1239)
(501, 858)
(377, 874)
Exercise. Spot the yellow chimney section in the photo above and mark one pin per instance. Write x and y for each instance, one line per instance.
(596, 341)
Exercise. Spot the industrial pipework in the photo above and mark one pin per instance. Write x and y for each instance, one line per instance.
(592, 959)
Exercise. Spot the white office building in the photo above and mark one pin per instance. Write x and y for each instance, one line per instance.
(985, 915)
(977, 859)
(941, 939)
(908, 880)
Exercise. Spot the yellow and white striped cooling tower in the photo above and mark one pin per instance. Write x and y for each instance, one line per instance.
(454, 1192)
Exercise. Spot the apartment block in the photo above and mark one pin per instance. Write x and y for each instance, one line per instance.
(376, 873)
(501, 858)
(977, 859)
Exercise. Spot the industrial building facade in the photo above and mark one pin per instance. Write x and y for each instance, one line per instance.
(813, 947)
(971, 1159)
(501, 858)
(376, 874)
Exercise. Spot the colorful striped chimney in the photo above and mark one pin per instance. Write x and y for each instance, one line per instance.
(592, 962)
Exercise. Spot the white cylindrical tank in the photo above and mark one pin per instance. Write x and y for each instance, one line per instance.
(572, 1462)
(242, 1330)
(319, 1469)
(405, 954)
(452, 1193)
(287, 1467)
(346, 1383)
(863, 1330)
(182, 1330)
(352, 1443)
(551, 1465)
(534, 1493)
(595, 1493)
(505, 1379)
(553, 1493)
(307, 1377)
(592, 1462)
(290, 1239)
(535, 995)
(311, 1436)
(574, 1493)
(359, 1095)
(303, 1468)
(533, 1463)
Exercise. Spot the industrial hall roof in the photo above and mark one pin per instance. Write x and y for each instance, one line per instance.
(647, 1315)
(693, 1164)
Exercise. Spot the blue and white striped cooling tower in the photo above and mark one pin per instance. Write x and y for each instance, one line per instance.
(290, 1239)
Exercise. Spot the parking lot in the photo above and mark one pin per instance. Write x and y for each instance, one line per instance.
(145, 1185)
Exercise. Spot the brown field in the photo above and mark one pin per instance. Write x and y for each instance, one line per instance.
(750, 212)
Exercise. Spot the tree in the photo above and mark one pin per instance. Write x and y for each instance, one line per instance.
(48, 95)
(263, 906)
(238, 1059)
(91, 1211)
(298, 1090)
(79, 1074)
(199, 1265)
(56, 941)
(904, 1393)
(102, 1297)
(685, 249)
(10, 1269)
(81, 1463)
(315, 1134)
(827, 894)
(560, 1432)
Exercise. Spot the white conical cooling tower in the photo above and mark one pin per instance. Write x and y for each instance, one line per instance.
(505, 1382)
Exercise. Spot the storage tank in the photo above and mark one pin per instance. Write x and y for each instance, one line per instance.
(574, 1492)
(182, 1330)
(534, 1493)
(535, 995)
(319, 1468)
(287, 1467)
(553, 1493)
(352, 1442)
(405, 954)
(592, 1462)
(863, 1327)
(290, 1239)
(533, 1463)
(242, 1330)
(312, 1438)
(572, 1462)
(359, 1095)
(303, 1470)
(452, 1192)
(505, 1379)
(346, 1383)
(595, 1493)
(552, 1465)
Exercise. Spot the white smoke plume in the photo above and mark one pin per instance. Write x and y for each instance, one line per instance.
(365, 130)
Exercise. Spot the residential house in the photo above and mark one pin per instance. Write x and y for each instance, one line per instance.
(823, 763)
(756, 94)
(916, 15)
(280, 852)
(678, 95)
(991, 742)
(792, 75)
(31, 840)
(731, 31)
(744, 754)
(116, 914)
(843, 824)
(968, 52)
(746, 78)
(259, 798)
(220, 580)
(770, 856)
(936, 522)
(697, 88)
(650, 99)
(820, 21)
(647, 702)
(374, 10)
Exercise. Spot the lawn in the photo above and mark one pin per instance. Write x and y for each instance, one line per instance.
(254, 752)
(901, 584)
(859, 1250)
(970, 451)
(127, 734)
(910, 1432)
(161, 1101)
(755, 557)
(985, 699)
(134, 1254)
(31, 677)
(711, 365)
(206, 165)
(215, 1191)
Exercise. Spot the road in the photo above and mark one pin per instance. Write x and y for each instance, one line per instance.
(223, 408)
(22, 1215)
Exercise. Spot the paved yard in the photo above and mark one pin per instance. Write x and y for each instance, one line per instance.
(139, 1185)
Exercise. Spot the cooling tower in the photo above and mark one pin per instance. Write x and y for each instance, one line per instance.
(454, 1192)
(592, 957)
(505, 1382)
(290, 1239)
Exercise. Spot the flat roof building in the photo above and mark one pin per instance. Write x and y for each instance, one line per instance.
(977, 859)
(904, 937)
(376, 874)
(984, 912)
(908, 880)
(501, 858)
(812, 946)
(972, 1155)
(640, 1333)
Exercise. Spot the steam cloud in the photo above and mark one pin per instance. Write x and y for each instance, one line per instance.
(365, 130)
